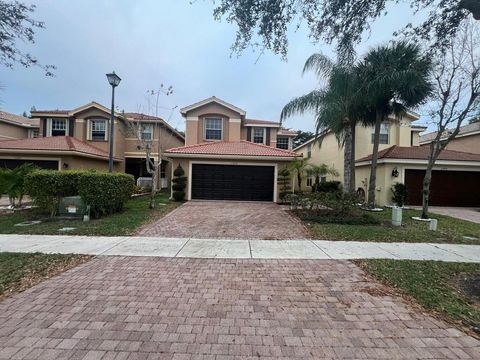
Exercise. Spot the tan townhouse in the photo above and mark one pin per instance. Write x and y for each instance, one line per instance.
(467, 140)
(401, 159)
(79, 139)
(228, 156)
(17, 127)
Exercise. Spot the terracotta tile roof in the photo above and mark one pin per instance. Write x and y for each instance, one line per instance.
(60, 112)
(19, 120)
(287, 132)
(260, 122)
(140, 116)
(421, 153)
(235, 148)
(465, 130)
(53, 143)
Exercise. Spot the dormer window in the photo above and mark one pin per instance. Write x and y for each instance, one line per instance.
(146, 132)
(283, 142)
(97, 129)
(259, 135)
(57, 127)
(213, 129)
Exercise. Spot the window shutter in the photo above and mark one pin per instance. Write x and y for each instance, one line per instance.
(49, 127)
(67, 127)
(249, 133)
(89, 129)
(267, 135)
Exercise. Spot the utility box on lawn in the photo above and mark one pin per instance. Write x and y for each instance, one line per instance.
(72, 206)
(396, 216)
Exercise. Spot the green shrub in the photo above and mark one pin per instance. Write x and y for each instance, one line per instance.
(179, 184)
(47, 187)
(329, 186)
(12, 183)
(104, 192)
(400, 194)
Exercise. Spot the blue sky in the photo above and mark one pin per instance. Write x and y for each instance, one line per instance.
(152, 42)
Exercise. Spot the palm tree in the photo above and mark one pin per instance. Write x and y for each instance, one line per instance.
(394, 77)
(298, 167)
(317, 171)
(11, 183)
(337, 107)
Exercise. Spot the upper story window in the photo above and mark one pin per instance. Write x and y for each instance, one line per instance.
(57, 127)
(384, 133)
(34, 133)
(213, 129)
(309, 151)
(259, 135)
(146, 132)
(98, 129)
(283, 142)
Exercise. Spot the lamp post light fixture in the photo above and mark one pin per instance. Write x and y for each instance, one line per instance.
(113, 80)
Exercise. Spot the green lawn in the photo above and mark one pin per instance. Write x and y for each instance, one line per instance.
(19, 271)
(135, 214)
(431, 284)
(450, 230)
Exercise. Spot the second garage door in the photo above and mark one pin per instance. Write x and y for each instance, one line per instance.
(232, 182)
(448, 188)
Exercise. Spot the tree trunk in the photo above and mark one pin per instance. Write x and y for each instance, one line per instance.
(299, 179)
(153, 192)
(347, 159)
(426, 190)
(372, 184)
(352, 160)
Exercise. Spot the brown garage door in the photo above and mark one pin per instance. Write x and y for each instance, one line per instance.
(448, 188)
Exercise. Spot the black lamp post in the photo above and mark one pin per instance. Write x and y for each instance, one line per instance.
(114, 80)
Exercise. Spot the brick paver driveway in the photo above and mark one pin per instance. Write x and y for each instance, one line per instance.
(232, 220)
(170, 308)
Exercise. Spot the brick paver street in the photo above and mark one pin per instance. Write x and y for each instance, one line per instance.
(232, 220)
(174, 308)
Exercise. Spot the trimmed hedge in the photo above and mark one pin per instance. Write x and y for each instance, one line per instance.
(106, 193)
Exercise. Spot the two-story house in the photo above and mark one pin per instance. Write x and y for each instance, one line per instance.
(401, 159)
(17, 127)
(228, 156)
(467, 139)
(79, 139)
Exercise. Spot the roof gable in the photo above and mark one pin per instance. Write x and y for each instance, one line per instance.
(214, 100)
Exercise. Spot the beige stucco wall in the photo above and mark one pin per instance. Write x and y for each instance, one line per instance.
(82, 163)
(11, 132)
(185, 164)
(469, 144)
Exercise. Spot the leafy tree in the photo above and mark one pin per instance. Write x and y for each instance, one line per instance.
(337, 108)
(342, 20)
(395, 77)
(317, 171)
(12, 183)
(302, 137)
(298, 167)
(16, 24)
(457, 78)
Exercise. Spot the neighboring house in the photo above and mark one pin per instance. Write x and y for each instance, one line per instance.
(467, 140)
(401, 159)
(17, 127)
(230, 157)
(79, 139)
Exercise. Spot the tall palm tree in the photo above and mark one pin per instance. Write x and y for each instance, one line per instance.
(317, 171)
(337, 107)
(298, 167)
(394, 77)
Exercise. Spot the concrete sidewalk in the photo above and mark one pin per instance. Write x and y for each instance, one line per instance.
(238, 249)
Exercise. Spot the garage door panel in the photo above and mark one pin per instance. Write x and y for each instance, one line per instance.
(232, 182)
(447, 188)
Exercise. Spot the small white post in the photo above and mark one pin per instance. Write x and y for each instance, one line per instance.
(396, 216)
(433, 224)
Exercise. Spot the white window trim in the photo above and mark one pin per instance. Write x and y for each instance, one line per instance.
(264, 136)
(49, 126)
(309, 180)
(205, 128)
(141, 131)
(90, 129)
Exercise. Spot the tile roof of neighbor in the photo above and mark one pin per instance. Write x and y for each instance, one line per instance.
(240, 148)
(141, 116)
(19, 120)
(287, 132)
(464, 131)
(421, 153)
(261, 122)
(53, 143)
